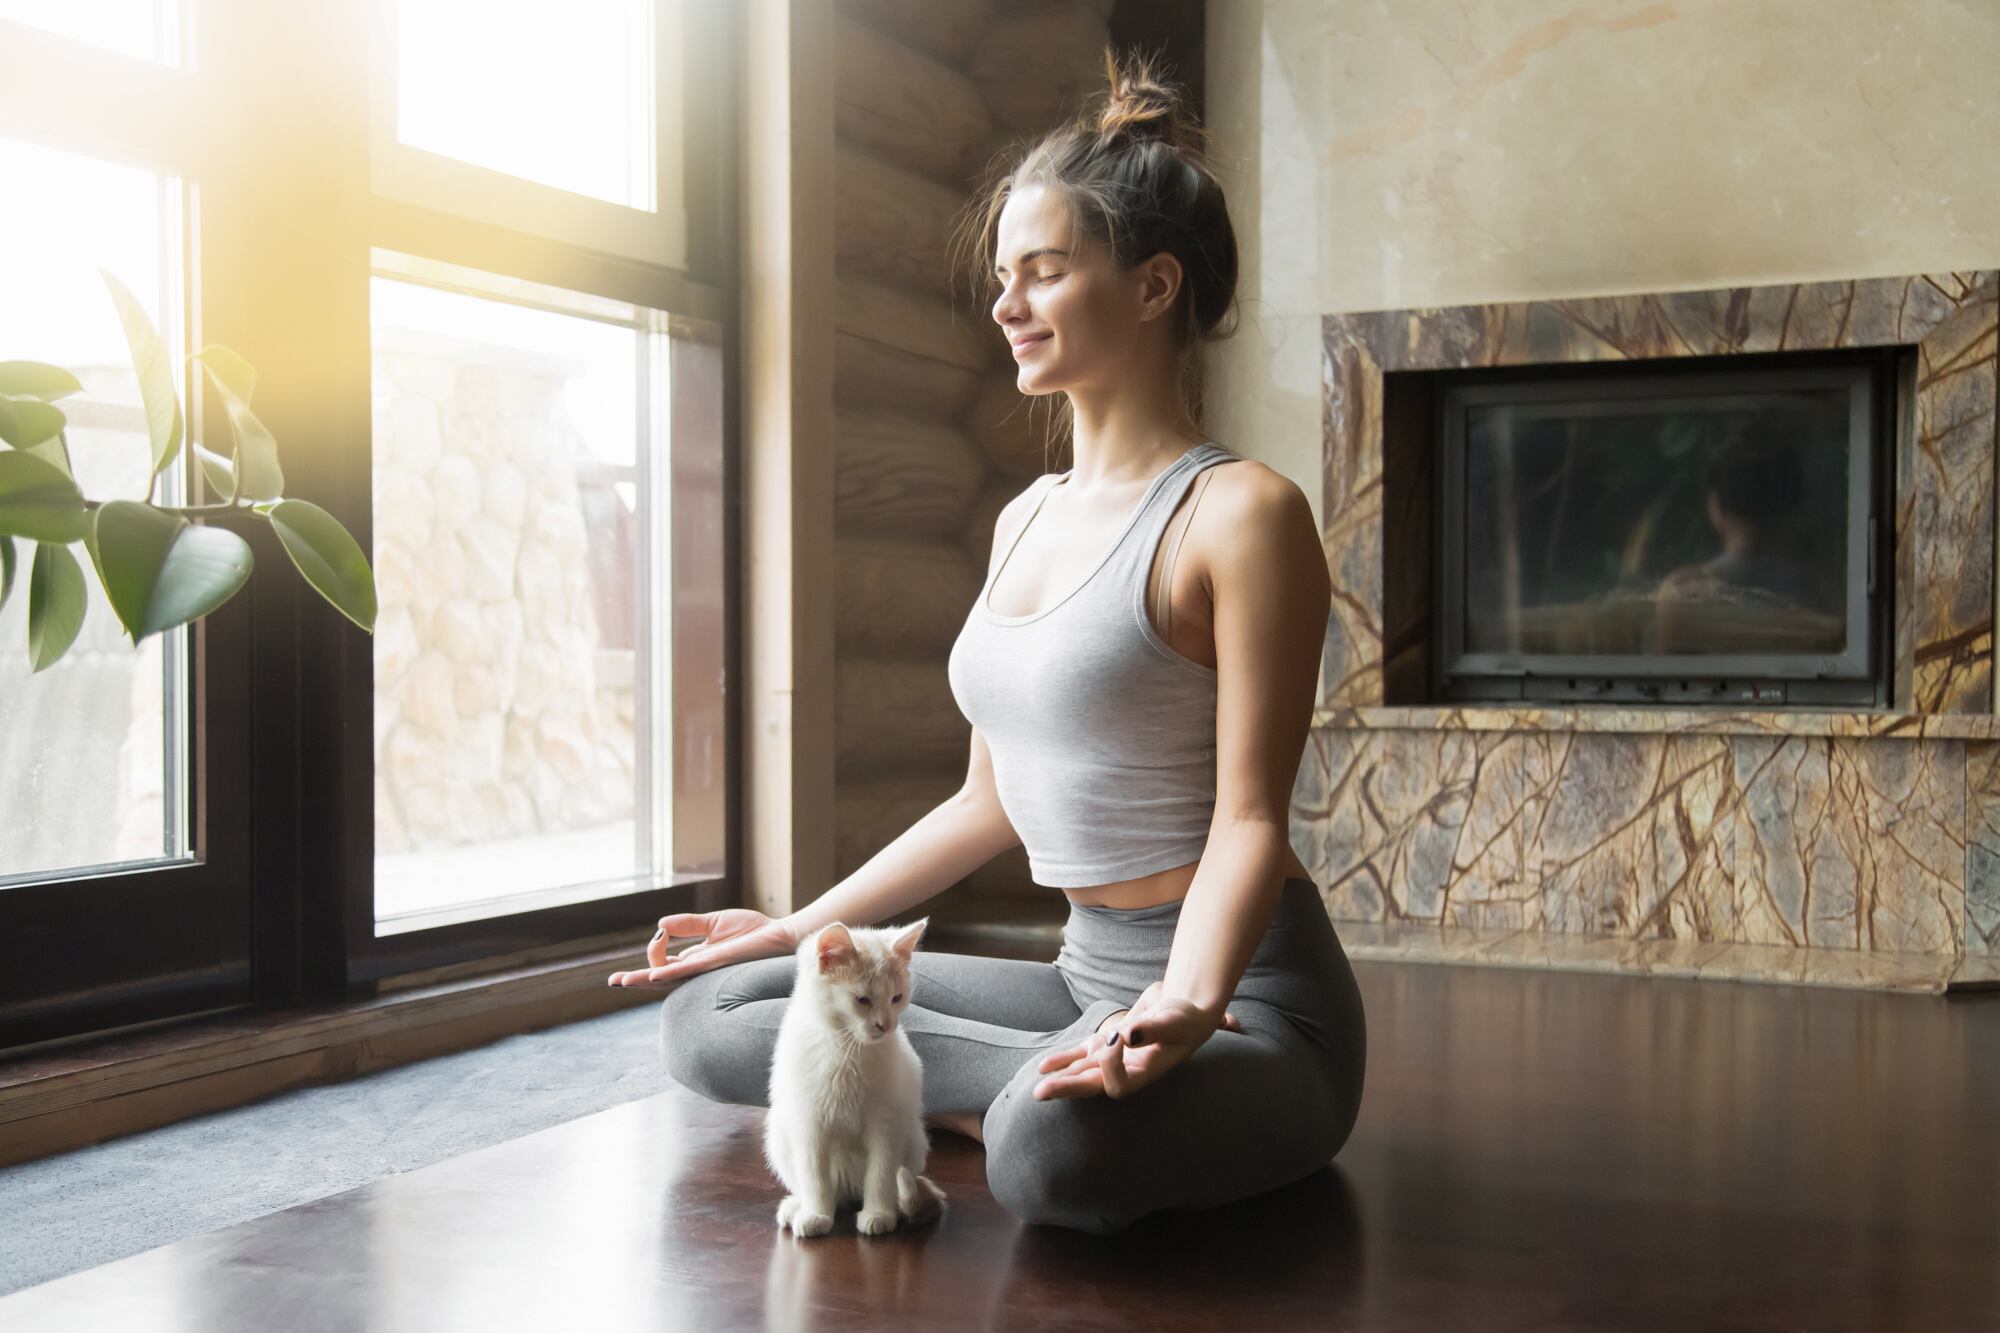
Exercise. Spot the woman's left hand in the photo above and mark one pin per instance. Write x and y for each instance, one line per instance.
(1154, 1035)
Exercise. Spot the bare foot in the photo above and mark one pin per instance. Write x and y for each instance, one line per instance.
(967, 1123)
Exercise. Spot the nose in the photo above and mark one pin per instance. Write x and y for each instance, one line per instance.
(879, 1027)
(1008, 307)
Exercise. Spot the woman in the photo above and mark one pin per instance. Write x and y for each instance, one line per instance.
(1140, 671)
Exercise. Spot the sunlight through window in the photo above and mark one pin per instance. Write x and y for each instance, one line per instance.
(142, 29)
(559, 94)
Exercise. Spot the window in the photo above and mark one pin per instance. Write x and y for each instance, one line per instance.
(563, 120)
(460, 330)
(92, 749)
(560, 94)
(517, 495)
(142, 29)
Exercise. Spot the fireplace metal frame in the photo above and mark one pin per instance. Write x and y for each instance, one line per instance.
(1858, 674)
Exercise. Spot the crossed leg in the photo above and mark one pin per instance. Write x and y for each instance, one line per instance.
(975, 1022)
(1246, 1112)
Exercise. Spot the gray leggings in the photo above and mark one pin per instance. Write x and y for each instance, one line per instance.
(1247, 1112)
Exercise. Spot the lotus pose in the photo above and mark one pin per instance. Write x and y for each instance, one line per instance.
(1139, 671)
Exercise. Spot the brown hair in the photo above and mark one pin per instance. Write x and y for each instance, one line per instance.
(1133, 168)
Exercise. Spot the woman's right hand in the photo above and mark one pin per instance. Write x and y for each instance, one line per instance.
(733, 935)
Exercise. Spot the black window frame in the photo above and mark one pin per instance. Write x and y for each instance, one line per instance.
(277, 907)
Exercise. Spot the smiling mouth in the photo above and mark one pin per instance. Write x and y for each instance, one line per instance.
(1028, 343)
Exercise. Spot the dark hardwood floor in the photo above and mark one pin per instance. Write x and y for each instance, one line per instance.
(1537, 1150)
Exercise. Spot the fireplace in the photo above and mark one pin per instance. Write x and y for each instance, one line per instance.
(1697, 530)
(1809, 839)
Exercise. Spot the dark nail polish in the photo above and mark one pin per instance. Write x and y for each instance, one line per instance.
(1114, 1038)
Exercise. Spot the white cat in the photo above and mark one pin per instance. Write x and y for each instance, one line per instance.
(846, 1120)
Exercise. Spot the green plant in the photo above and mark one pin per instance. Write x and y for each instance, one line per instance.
(160, 566)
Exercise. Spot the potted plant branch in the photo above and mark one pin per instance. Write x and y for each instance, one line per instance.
(160, 566)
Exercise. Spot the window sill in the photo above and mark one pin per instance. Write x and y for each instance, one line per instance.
(77, 1093)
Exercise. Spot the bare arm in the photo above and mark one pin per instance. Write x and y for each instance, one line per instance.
(1272, 595)
(937, 851)
(957, 837)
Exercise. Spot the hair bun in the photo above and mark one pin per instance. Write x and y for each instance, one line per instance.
(1141, 104)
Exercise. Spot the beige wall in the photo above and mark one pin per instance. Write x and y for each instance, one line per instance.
(1383, 154)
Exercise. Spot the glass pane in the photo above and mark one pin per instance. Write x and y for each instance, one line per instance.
(90, 749)
(511, 514)
(560, 94)
(1685, 525)
(142, 29)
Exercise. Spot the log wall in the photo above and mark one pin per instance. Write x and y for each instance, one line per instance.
(931, 436)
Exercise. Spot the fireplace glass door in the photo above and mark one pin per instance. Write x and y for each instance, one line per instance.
(1707, 535)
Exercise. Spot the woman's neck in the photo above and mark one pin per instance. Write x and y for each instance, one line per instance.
(1117, 456)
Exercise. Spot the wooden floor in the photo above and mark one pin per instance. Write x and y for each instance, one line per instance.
(1536, 1151)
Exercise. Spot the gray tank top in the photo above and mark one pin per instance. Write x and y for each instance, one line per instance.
(1102, 736)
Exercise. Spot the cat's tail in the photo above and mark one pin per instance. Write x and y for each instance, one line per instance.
(916, 1197)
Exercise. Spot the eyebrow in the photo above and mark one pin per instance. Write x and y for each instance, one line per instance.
(1032, 254)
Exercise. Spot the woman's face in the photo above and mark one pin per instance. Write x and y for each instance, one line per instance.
(1071, 318)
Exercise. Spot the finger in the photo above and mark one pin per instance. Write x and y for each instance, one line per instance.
(1087, 1082)
(1111, 1066)
(685, 923)
(654, 978)
(1055, 1060)
(1230, 1021)
(1157, 1029)
(657, 949)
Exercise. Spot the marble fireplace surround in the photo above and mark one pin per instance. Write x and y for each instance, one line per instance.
(1844, 848)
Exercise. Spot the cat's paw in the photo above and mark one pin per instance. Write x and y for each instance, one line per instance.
(810, 1224)
(788, 1208)
(875, 1222)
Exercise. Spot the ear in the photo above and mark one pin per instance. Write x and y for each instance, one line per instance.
(906, 939)
(836, 947)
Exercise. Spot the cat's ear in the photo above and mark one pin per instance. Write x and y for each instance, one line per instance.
(836, 947)
(905, 942)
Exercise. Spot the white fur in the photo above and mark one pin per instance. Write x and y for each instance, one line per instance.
(846, 1120)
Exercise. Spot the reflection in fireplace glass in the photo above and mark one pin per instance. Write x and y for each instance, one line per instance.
(1696, 525)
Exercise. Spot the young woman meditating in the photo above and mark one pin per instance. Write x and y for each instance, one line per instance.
(1139, 671)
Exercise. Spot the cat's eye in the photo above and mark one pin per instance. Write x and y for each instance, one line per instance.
(863, 1001)
(895, 999)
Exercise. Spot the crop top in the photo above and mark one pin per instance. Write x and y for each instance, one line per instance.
(1102, 735)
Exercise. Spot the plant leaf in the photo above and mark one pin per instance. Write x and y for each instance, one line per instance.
(160, 570)
(27, 422)
(6, 569)
(258, 476)
(37, 499)
(233, 373)
(330, 559)
(206, 567)
(56, 604)
(156, 373)
(129, 544)
(32, 379)
(219, 472)
(55, 453)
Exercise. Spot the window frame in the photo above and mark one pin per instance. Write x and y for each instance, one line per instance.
(274, 155)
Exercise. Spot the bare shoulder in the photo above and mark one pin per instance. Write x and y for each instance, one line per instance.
(1252, 514)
